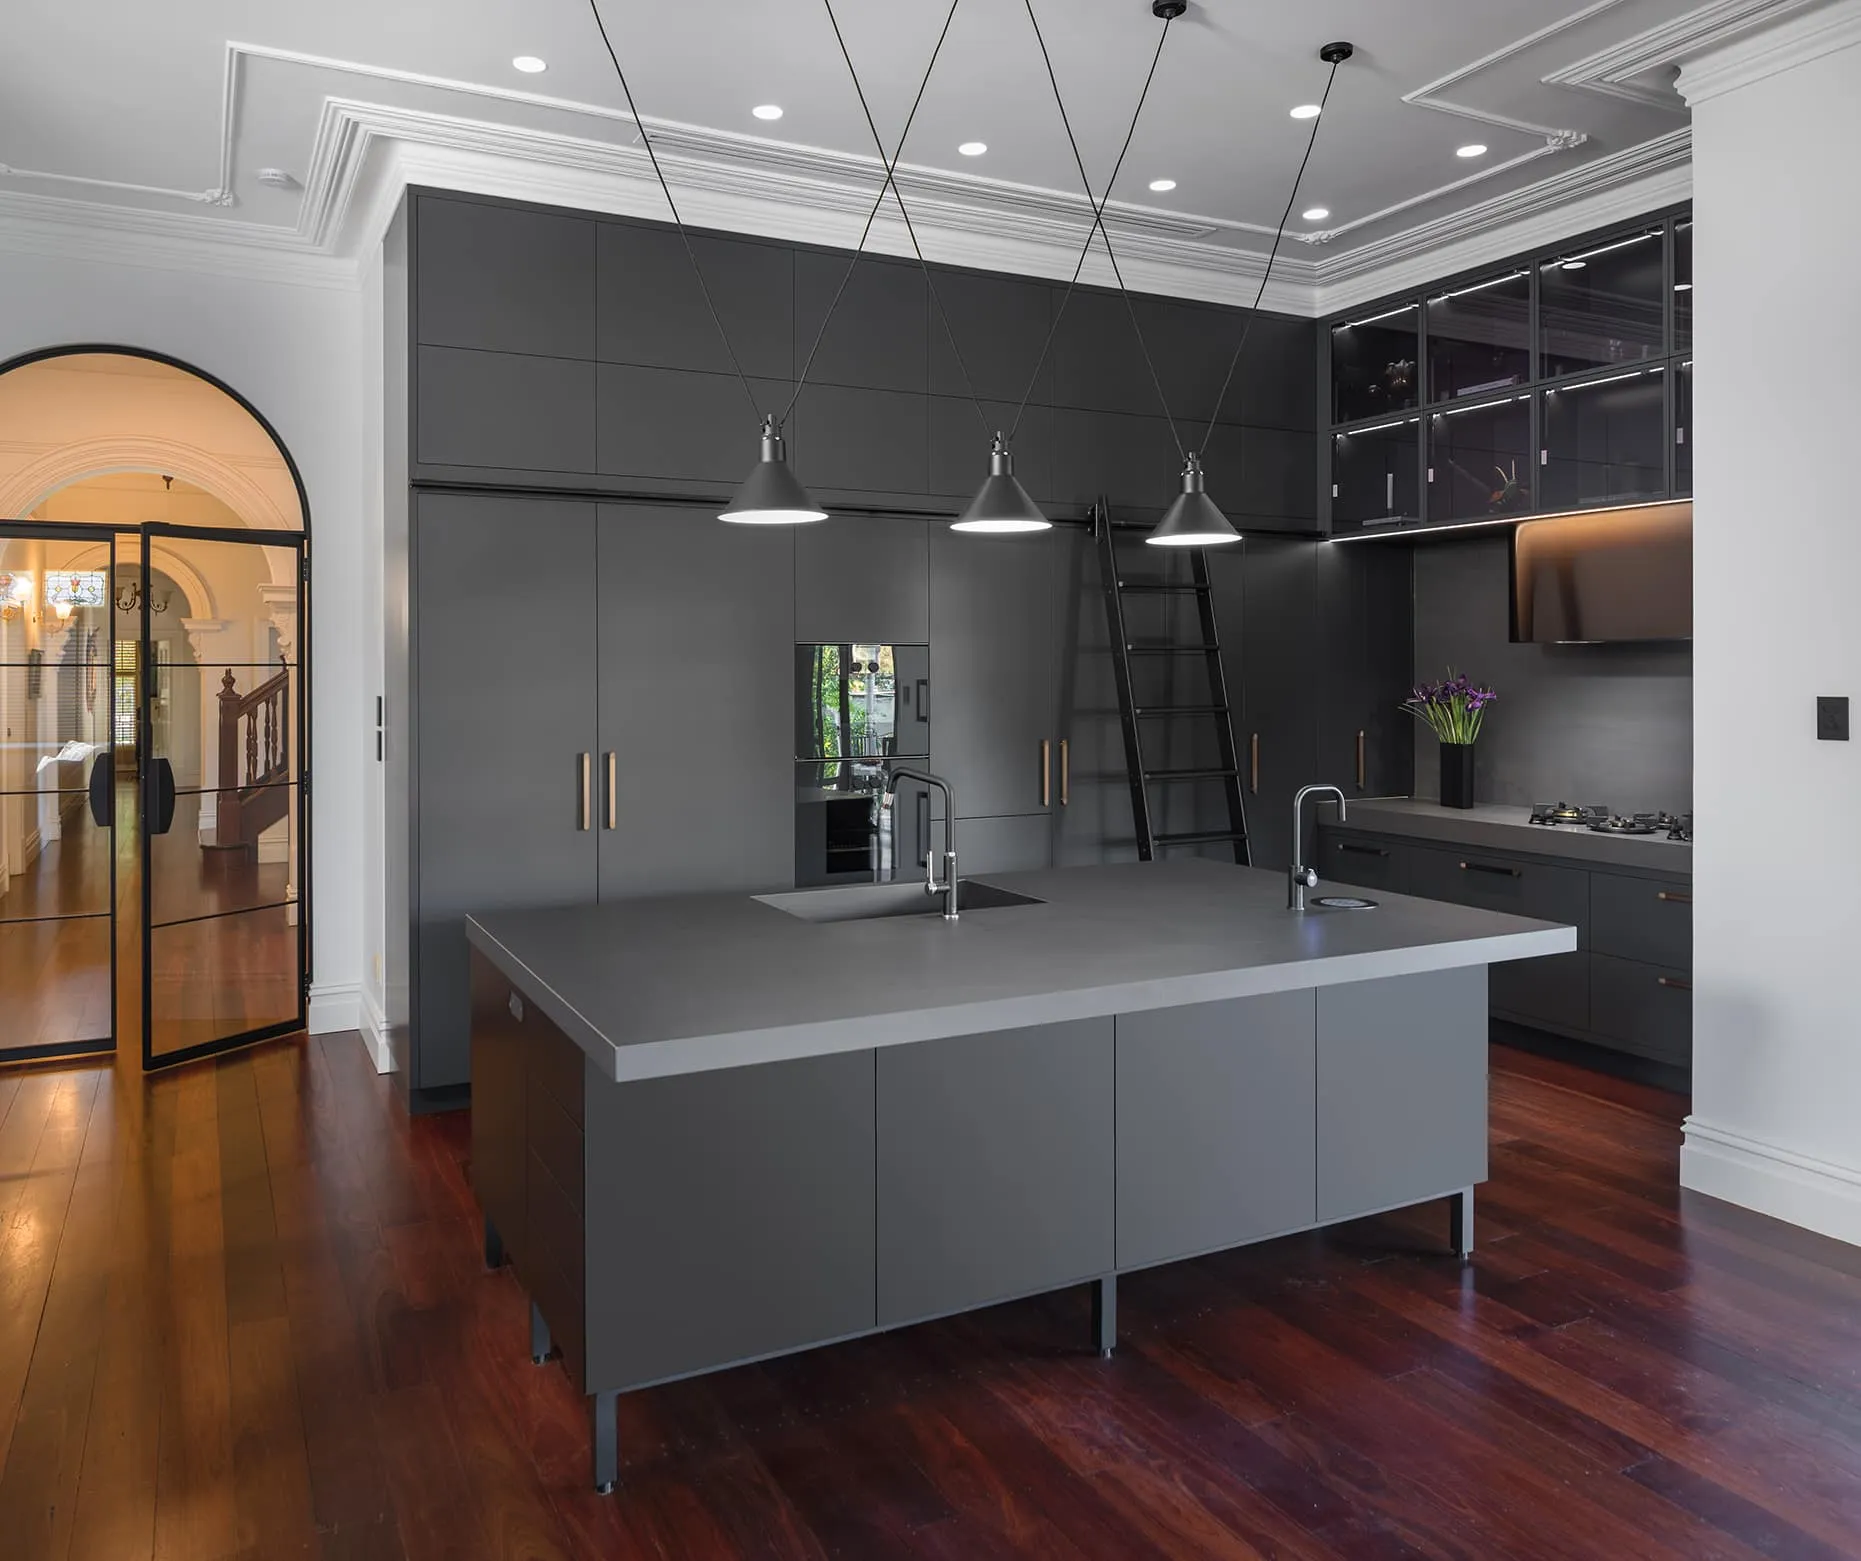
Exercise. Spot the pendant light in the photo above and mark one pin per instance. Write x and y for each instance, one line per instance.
(1195, 520)
(772, 495)
(1001, 504)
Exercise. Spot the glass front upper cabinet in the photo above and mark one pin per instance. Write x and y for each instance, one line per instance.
(1683, 285)
(1604, 305)
(1605, 441)
(1376, 474)
(1374, 365)
(1683, 427)
(1480, 461)
(1479, 337)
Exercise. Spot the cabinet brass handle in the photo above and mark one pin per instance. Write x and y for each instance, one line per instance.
(1357, 850)
(613, 793)
(1488, 867)
(1046, 772)
(1253, 782)
(1066, 774)
(1674, 899)
(1361, 772)
(584, 802)
(1675, 983)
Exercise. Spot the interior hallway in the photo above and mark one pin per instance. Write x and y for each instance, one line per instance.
(243, 1312)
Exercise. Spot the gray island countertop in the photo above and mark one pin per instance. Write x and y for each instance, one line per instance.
(650, 988)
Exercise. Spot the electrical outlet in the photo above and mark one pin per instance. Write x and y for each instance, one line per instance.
(1832, 719)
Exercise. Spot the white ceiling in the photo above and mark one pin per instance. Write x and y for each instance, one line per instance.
(160, 116)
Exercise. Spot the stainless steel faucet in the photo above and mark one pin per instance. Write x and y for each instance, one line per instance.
(1303, 877)
(948, 887)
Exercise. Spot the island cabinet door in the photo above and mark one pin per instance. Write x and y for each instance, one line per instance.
(729, 1216)
(1216, 1145)
(1401, 1090)
(995, 1167)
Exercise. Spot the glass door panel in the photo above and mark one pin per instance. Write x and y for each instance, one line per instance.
(1374, 364)
(1376, 474)
(1604, 441)
(1480, 461)
(1479, 337)
(222, 725)
(57, 804)
(1603, 305)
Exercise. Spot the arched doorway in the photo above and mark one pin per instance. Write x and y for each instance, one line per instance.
(153, 616)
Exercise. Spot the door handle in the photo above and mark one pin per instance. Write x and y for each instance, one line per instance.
(1254, 764)
(1488, 867)
(102, 788)
(1357, 850)
(1674, 899)
(1046, 772)
(1674, 984)
(1066, 774)
(584, 801)
(613, 792)
(1361, 771)
(160, 804)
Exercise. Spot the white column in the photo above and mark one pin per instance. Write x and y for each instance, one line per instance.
(206, 638)
(281, 607)
(1777, 552)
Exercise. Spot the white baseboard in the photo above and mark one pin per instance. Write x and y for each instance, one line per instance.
(374, 1029)
(335, 1007)
(35, 844)
(1817, 1194)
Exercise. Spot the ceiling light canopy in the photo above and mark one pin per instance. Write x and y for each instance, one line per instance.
(529, 64)
(1306, 111)
(767, 111)
(1472, 149)
(772, 495)
(1001, 504)
(1163, 186)
(1574, 265)
(1315, 213)
(973, 148)
(1194, 520)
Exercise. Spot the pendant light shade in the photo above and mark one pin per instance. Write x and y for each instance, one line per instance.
(1193, 520)
(1001, 504)
(772, 495)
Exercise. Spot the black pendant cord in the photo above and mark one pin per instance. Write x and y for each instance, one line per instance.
(891, 183)
(1098, 211)
(887, 184)
(684, 237)
(1098, 222)
(1272, 254)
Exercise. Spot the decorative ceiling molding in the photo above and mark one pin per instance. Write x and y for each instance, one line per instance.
(1741, 61)
(1617, 70)
(29, 485)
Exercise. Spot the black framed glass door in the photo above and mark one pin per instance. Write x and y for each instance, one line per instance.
(222, 736)
(58, 878)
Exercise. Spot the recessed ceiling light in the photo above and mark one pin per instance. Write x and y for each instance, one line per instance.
(767, 111)
(1575, 265)
(1472, 149)
(529, 64)
(1306, 111)
(1315, 213)
(1161, 186)
(973, 148)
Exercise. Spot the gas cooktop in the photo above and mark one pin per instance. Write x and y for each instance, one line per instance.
(1605, 821)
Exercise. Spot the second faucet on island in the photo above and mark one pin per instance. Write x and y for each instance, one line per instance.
(948, 887)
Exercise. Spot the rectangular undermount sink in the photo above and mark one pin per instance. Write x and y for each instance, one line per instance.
(874, 901)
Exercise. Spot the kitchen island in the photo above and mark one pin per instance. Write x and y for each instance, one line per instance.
(711, 1129)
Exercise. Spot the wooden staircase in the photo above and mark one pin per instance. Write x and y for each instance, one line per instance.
(255, 762)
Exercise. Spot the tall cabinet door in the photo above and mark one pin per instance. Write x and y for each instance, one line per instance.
(1093, 821)
(503, 681)
(696, 780)
(1366, 630)
(991, 646)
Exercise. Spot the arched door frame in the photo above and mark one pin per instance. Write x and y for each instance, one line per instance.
(306, 834)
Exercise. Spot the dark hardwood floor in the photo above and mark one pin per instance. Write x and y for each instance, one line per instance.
(243, 1313)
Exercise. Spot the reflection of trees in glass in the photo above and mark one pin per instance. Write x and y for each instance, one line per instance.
(852, 703)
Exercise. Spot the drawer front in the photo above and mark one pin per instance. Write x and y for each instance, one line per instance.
(1551, 992)
(1640, 919)
(1492, 881)
(1367, 861)
(1642, 1008)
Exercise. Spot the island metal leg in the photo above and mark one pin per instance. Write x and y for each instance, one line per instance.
(494, 1246)
(606, 1428)
(1105, 1315)
(540, 1341)
(1460, 1223)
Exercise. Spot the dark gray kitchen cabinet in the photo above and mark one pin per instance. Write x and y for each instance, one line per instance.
(652, 308)
(504, 410)
(1642, 1008)
(1128, 460)
(503, 278)
(1362, 861)
(1216, 1111)
(1021, 843)
(960, 443)
(1098, 362)
(862, 441)
(994, 1167)
(862, 579)
(736, 1254)
(695, 692)
(1092, 822)
(991, 646)
(503, 666)
(1364, 645)
(879, 336)
(997, 327)
(1401, 1090)
(679, 425)
(1644, 919)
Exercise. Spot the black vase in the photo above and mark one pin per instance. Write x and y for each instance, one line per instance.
(1457, 775)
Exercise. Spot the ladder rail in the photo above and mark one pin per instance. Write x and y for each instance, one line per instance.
(1121, 668)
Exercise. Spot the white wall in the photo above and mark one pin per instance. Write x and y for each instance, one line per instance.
(295, 351)
(1776, 1123)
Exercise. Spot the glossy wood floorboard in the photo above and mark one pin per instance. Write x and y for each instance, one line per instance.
(243, 1314)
